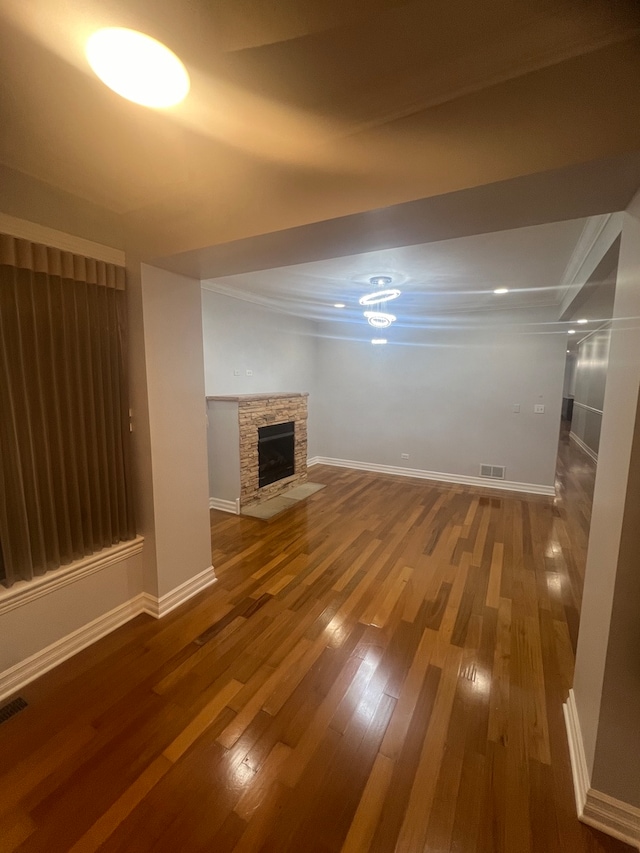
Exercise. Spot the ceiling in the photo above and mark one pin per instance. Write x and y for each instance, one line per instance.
(457, 275)
(305, 110)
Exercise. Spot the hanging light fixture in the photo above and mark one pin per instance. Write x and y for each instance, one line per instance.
(379, 319)
(384, 293)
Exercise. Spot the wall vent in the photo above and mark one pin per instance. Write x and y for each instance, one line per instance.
(494, 472)
(7, 711)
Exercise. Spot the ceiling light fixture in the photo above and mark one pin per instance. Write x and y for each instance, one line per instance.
(379, 319)
(571, 332)
(339, 305)
(378, 340)
(501, 290)
(137, 67)
(583, 321)
(381, 295)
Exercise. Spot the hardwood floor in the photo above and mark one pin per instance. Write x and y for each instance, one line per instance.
(381, 668)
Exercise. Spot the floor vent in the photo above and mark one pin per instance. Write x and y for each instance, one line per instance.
(14, 707)
(495, 472)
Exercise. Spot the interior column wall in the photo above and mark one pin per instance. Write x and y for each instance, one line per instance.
(172, 319)
(606, 683)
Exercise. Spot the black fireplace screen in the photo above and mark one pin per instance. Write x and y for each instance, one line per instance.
(275, 453)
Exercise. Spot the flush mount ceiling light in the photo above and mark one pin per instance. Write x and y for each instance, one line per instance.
(137, 67)
(501, 290)
(582, 321)
(379, 320)
(378, 340)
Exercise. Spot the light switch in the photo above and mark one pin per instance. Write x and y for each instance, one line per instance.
(516, 407)
(538, 409)
(236, 372)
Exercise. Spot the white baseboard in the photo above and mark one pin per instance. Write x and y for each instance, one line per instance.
(225, 506)
(579, 769)
(584, 446)
(16, 677)
(159, 607)
(609, 815)
(313, 460)
(458, 479)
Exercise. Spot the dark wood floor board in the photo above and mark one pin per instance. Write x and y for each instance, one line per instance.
(380, 668)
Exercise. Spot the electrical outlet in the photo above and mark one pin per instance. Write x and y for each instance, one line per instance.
(516, 407)
(404, 456)
(538, 409)
(249, 372)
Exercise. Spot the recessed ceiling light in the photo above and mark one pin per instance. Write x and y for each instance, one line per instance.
(339, 305)
(571, 332)
(568, 350)
(137, 67)
(501, 290)
(583, 320)
(378, 340)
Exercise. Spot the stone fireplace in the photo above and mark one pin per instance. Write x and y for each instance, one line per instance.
(234, 431)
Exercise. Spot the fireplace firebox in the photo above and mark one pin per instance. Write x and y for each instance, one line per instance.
(276, 449)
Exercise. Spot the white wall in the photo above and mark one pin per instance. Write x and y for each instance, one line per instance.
(606, 680)
(569, 383)
(589, 387)
(279, 349)
(445, 396)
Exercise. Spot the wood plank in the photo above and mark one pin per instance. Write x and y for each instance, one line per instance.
(383, 671)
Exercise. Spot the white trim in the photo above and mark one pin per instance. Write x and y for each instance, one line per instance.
(159, 607)
(313, 460)
(225, 506)
(579, 769)
(24, 592)
(458, 479)
(270, 303)
(591, 232)
(25, 230)
(612, 816)
(609, 815)
(583, 446)
(598, 235)
(22, 673)
(588, 408)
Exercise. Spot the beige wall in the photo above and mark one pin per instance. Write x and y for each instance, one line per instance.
(33, 626)
(27, 198)
(607, 685)
(172, 320)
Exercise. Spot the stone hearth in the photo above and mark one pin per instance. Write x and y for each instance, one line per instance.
(255, 411)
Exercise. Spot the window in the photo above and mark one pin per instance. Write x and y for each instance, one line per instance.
(65, 485)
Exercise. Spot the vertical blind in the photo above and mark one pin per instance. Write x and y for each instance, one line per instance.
(65, 485)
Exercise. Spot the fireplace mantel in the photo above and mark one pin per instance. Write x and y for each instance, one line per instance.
(250, 398)
(233, 424)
